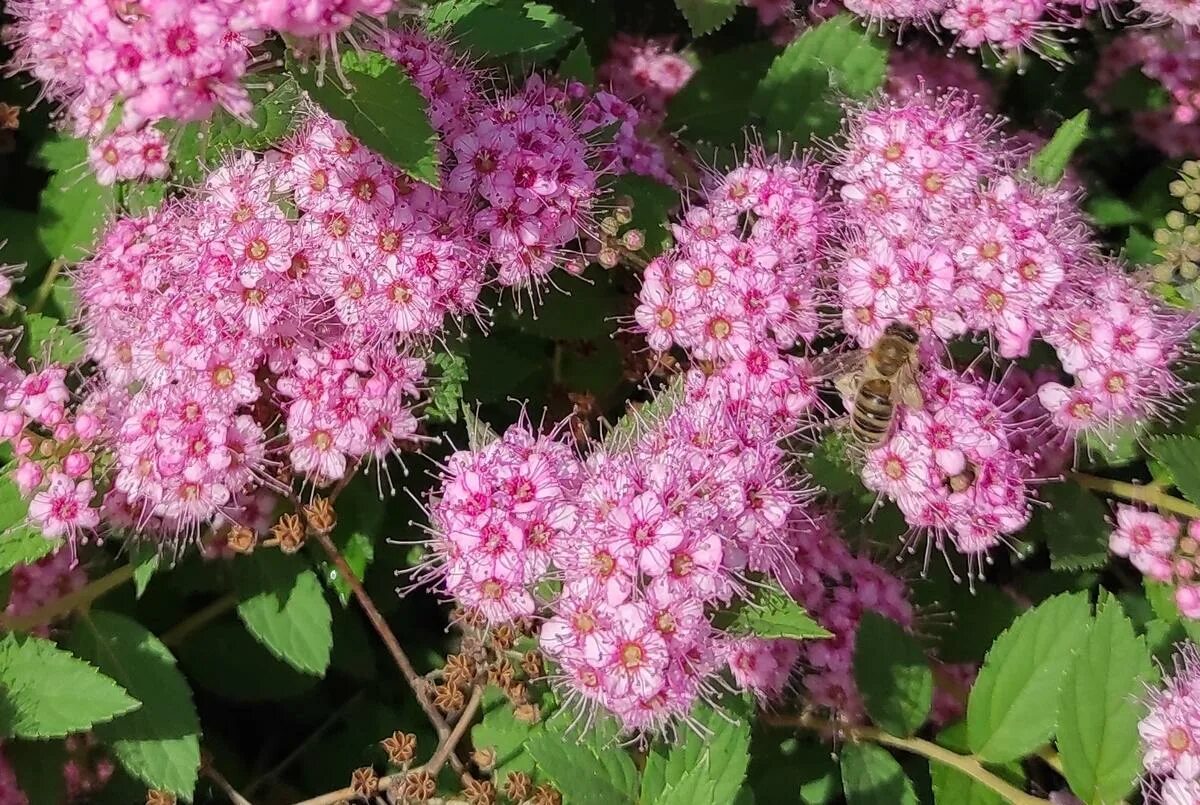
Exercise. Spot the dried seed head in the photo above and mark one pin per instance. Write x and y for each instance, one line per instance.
(545, 795)
(448, 698)
(241, 539)
(484, 758)
(503, 637)
(460, 670)
(400, 747)
(418, 786)
(517, 786)
(527, 713)
(531, 664)
(156, 797)
(290, 533)
(480, 792)
(501, 674)
(608, 257)
(10, 117)
(320, 515)
(365, 782)
(518, 693)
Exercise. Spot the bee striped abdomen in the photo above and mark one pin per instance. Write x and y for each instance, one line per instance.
(873, 410)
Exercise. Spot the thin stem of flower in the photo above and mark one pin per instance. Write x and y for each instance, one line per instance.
(198, 619)
(308, 741)
(234, 797)
(80, 599)
(446, 748)
(1137, 492)
(967, 764)
(389, 640)
(42, 294)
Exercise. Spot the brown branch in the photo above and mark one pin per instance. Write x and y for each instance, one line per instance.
(211, 773)
(445, 750)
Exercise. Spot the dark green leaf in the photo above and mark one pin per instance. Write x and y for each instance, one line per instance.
(383, 109)
(650, 203)
(782, 766)
(578, 65)
(46, 339)
(953, 787)
(802, 93)
(1112, 211)
(1013, 706)
(714, 105)
(46, 692)
(1073, 526)
(588, 766)
(247, 672)
(770, 613)
(1049, 164)
(1101, 704)
(283, 606)
(504, 27)
(74, 205)
(159, 743)
(892, 674)
(871, 776)
(706, 16)
(502, 733)
(705, 766)
(145, 559)
(1181, 455)
(446, 396)
(359, 513)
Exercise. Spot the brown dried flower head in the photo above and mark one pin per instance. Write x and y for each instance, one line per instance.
(480, 792)
(365, 782)
(400, 747)
(156, 797)
(418, 786)
(241, 539)
(320, 515)
(545, 795)
(517, 786)
(290, 533)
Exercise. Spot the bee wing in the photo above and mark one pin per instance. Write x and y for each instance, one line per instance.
(907, 389)
(847, 384)
(836, 364)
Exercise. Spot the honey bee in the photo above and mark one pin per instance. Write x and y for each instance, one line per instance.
(877, 380)
(963, 481)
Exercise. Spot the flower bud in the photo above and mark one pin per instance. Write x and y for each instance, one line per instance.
(77, 464)
(29, 476)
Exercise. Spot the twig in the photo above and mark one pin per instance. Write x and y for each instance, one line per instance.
(967, 764)
(201, 617)
(68, 603)
(308, 741)
(42, 294)
(445, 749)
(1137, 492)
(389, 640)
(223, 784)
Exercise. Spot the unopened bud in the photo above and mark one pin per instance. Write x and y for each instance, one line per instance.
(290, 533)
(1178, 188)
(1176, 219)
(1191, 202)
(608, 257)
(320, 515)
(610, 226)
(623, 215)
(633, 239)
(1191, 169)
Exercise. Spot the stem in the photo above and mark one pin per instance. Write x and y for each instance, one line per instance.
(79, 599)
(389, 640)
(967, 764)
(180, 631)
(309, 740)
(1137, 492)
(234, 797)
(445, 749)
(42, 294)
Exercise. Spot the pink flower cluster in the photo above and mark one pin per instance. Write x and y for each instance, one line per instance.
(1169, 56)
(45, 581)
(1153, 544)
(1170, 732)
(642, 538)
(647, 72)
(142, 62)
(727, 287)
(914, 70)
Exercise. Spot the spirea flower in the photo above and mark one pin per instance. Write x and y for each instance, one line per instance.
(1170, 731)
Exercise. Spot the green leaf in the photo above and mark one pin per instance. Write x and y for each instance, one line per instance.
(1181, 455)
(74, 205)
(1014, 702)
(650, 204)
(1111, 211)
(803, 92)
(39, 769)
(588, 766)
(47, 338)
(1100, 708)
(782, 767)
(504, 734)
(831, 467)
(892, 674)
(871, 776)
(1049, 164)
(714, 105)
(1073, 527)
(705, 766)
(382, 108)
(447, 393)
(533, 30)
(247, 672)
(45, 692)
(705, 16)
(479, 433)
(640, 419)
(283, 606)
(577, 65)
(953, 787)
(159, 743)
(145, 560)
(770, 613)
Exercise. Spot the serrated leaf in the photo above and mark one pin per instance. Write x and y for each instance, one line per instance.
(871, 776)
(383, 109)
(247, 672)
(589, 767)
(501, 732)
(1100, 708)
(283, 606)
(24, 546)
(1181, 455)
(803, 91)
(1013, 704)
(479, 433)
(705, 16)
(714, 105)
(831, 468)
(145, 560)
(445, 397)
(46, 692)
(962, 639)
(534, 30)
(1050, 164)
(1073, 527)
(48, 339)
(893, 675)
(38, 766)
(705, 766)
(770, 613)
(74, 206)
(640, 419)
(159, 743)
(577, 66)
